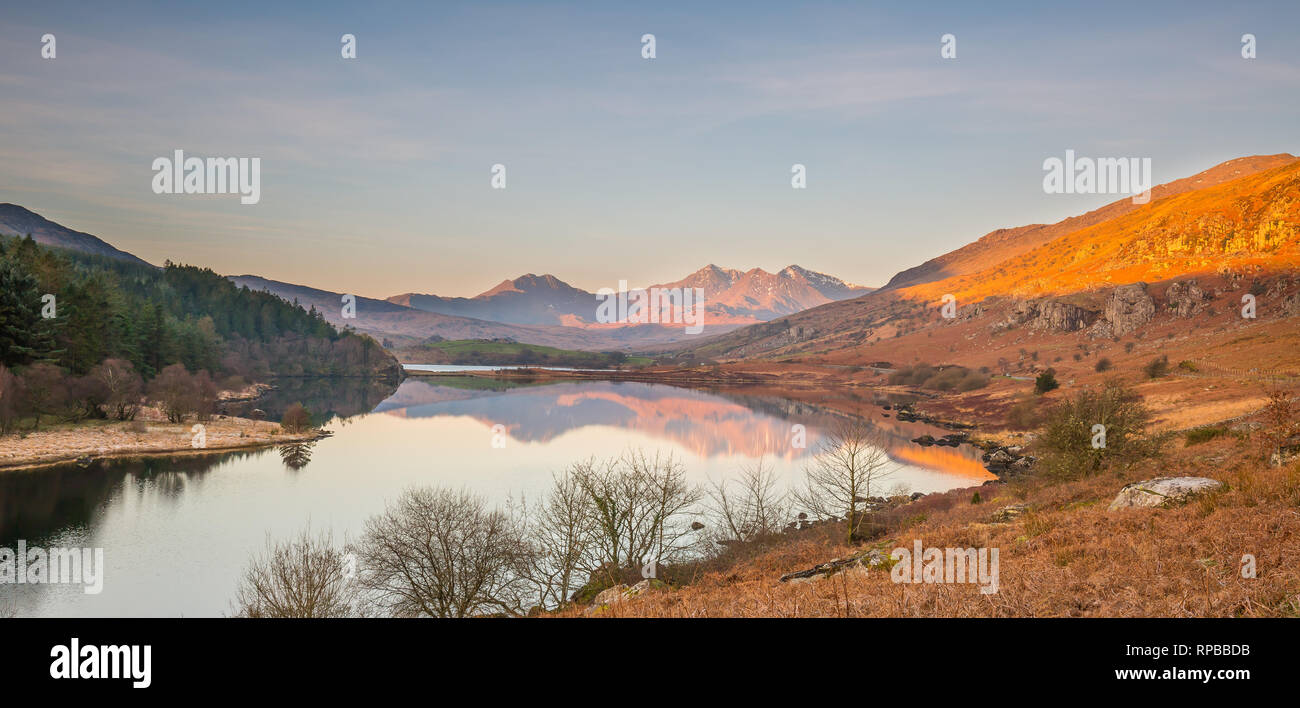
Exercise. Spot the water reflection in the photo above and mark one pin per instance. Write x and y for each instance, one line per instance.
(708, 424)
(177, 531)
(296, 455)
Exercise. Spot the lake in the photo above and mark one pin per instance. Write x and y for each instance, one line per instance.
(178, 531)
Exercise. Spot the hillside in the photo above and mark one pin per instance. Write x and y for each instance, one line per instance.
(1215, 235)
(19, 221)
(1004, 244)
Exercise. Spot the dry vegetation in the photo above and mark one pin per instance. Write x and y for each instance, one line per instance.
(1068, 556)
(149, 433)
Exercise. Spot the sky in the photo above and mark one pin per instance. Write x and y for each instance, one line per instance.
(376, 172)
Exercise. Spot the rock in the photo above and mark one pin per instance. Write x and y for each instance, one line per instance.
(1185, 299)
(924, 440)
(1163, 491)
(1052, 315)
(1009, 513)
(609, 596)
(643, 587)
(1128, 308)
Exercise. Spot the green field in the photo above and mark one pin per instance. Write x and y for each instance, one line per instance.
(484, 352)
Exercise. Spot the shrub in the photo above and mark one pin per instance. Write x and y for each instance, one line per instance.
(1068, 435)
(1103, 364)
(1024, 414)
(1156, 368)
(296, 418)
(174, 391)
(1045, 382)
(1196, 436)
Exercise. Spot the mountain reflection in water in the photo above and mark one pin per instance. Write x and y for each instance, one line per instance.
(177, 531)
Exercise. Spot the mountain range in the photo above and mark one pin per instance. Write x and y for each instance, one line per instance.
(1102, 274)
(732, 297)
(1239, 216)
(535, 309)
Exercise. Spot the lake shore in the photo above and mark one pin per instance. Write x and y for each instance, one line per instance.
(150, 434)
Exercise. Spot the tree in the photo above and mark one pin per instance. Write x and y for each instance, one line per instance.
(1279, 425)
(748, 507)
(1045, 382)
(45, 391)
(296, 418)
(303, 577)
(11, 395)
(20, 316)
(441, 553)
(1074, 446)
(639, 507)
(1157, 367)
(850, 463)
(563, 531)
(122, 387)
(174, 391)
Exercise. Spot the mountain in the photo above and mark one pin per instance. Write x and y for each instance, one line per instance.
(528, 299)
(732, 297)
(1103, 273)
(19, 221)
(404, 325)
(759, 296)
(1004, 244)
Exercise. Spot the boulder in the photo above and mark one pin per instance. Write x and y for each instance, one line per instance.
(1052, 315)
(1009, 513)
(1185, 298)
(1163, 491)
(1128, 308)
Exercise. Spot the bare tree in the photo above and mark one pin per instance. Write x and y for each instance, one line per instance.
(747, 507)
(123, 385)
(639, 504)
(563, 532)
(303, 577)
(850, 463)
(441, 553)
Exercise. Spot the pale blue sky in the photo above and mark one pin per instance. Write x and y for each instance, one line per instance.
(375, 171)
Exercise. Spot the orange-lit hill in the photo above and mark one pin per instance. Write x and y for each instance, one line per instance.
(1239, 218)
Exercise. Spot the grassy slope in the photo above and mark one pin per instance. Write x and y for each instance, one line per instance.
(1068, 557)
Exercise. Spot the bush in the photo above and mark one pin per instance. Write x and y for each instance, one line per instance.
(296, 418)
(1157, 367)
(1024, 414)
(1196, 436)
(1103, 364)
(1045, 382)
(174, 392)
(1068, 436)
(946, 378)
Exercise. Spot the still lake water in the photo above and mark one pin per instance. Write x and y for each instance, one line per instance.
(177, 531)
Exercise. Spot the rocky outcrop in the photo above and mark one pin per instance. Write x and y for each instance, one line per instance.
(1163, 491)
(621, 592)
(1185, 299)
(873, 558)
(1007, 461)
(1051, 315)
(1128, 308)
(1010, 513)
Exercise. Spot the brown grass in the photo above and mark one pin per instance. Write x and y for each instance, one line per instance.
(1069, 557)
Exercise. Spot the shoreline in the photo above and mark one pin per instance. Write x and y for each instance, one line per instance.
(113, 440)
